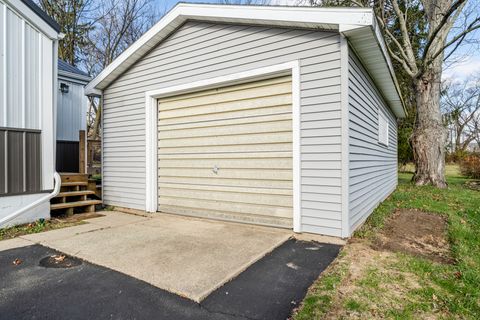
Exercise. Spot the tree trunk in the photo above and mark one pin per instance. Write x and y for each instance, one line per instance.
(96, 124)
(429, 135)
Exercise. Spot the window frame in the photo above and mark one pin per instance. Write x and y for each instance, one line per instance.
(382, 117)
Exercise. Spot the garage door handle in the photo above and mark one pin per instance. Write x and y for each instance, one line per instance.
(215, 169)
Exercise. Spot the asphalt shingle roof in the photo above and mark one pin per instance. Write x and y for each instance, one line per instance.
(65, 66)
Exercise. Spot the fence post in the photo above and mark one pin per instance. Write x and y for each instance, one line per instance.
(82, 146)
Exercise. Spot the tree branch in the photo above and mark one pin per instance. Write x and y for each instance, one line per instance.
(404, 31)
(439, 27)
(459, 36)
(398, 45)
(401, 61)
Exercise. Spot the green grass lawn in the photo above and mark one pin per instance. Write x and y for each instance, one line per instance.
(35, 227)
(364, 284)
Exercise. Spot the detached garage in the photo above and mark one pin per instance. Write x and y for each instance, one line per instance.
(281, 116)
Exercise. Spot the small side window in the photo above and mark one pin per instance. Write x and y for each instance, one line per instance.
(382, 128)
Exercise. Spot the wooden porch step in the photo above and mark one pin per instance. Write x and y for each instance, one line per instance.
(74, 183)
(67, 205)
(73, 176)
(74, 193)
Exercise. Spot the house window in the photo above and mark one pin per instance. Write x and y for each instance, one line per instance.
(382, 128)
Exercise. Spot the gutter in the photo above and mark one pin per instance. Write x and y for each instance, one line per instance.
(74, 76)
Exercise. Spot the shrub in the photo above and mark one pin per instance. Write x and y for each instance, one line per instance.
(456, 157)
(470, 166)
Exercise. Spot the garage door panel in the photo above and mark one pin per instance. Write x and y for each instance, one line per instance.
(229, 106)
(251, 128)
(227, 115)
(245, 133)
(248, 163)
(245, 155)
(231, 94)
(241, 148)
(227, 173)
(239, 139)
(253, 209)
(262, 118)
(226, 188)
(228, 196)
(219, 182)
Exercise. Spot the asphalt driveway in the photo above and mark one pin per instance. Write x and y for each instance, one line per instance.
(269, 289)
(159, 267)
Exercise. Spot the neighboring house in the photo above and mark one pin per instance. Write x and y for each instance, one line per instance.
(282, 116)
(71, 116)
(28, 93)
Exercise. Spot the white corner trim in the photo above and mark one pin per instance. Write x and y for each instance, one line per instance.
(23, 75)
(151, 109)
(345, 137)
(4, 65)
(296, 154)
(151, 158)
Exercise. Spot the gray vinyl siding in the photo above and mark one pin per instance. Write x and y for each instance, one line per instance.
(200, 50)
(372, 166)
(71, 111)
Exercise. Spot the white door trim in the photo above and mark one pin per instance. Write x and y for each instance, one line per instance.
(151, 109)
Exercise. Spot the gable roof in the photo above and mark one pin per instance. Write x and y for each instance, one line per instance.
(357, 24)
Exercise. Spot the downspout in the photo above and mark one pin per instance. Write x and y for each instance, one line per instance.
(56, 190)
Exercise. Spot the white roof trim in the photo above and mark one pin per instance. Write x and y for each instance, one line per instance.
(32, 17)
(346, 20)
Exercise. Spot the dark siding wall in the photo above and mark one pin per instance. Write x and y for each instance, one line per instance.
(15, 161)
(20, 161)
(67, 156)
(32, 162)
(3, 159)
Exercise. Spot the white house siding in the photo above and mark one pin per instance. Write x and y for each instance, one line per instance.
(200, 50)
(20, 69)
(26, 109)
(373, 166)
(26, 78)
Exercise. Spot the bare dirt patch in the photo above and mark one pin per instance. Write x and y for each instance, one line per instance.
(418, 233)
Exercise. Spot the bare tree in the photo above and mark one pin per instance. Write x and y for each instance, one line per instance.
(117, 25)
(461, 112)
(420, 35)
(72, 16)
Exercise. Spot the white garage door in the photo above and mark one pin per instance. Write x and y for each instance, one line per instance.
(226, 153)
